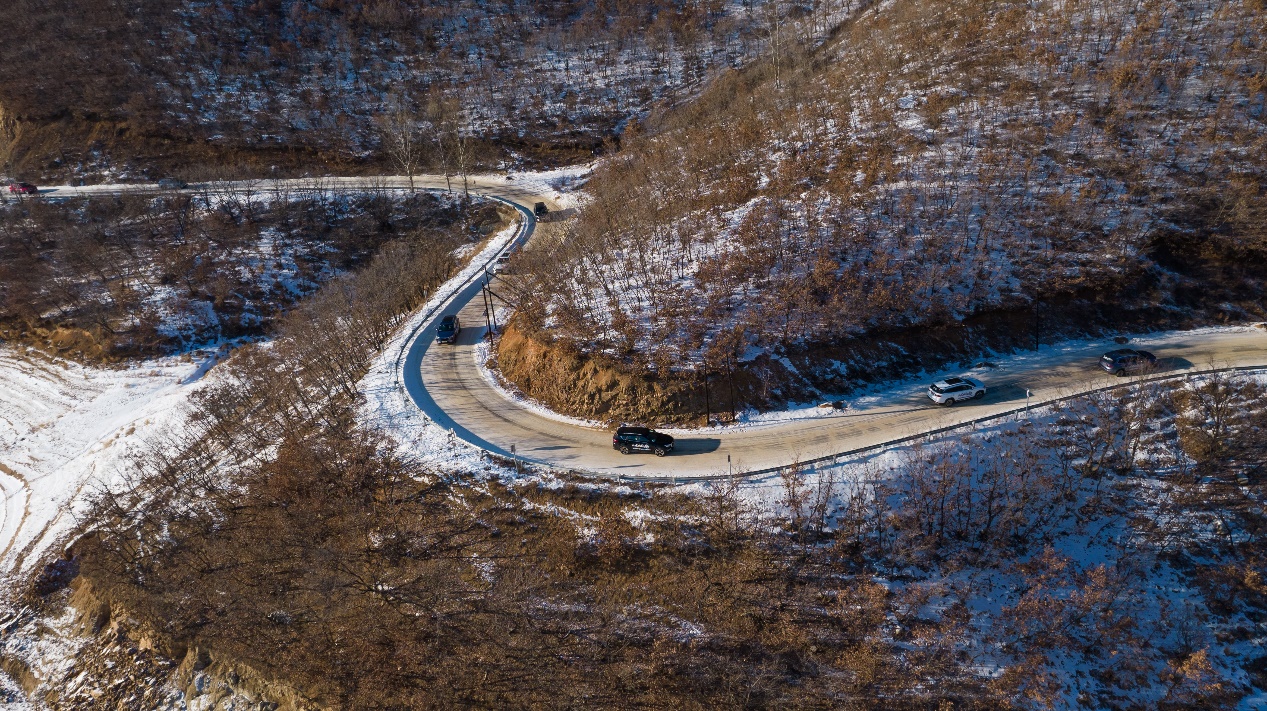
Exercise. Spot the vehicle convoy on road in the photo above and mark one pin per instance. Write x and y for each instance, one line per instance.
(951, 390)
(448, 330)
(1125, 360)
(641, 439)
(19, 188)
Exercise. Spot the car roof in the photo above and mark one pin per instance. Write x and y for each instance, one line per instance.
(1120, 352)
(449, 319)
(632, 429)
(958, 380)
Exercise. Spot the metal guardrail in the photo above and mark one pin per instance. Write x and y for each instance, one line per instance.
(669, 479)
(526, 230)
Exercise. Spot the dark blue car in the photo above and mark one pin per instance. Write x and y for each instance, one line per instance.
(641, 439)
(449, 329)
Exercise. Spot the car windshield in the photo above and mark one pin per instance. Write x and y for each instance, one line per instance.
(447, 323)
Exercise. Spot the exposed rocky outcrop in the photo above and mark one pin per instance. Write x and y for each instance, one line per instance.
(75, 649)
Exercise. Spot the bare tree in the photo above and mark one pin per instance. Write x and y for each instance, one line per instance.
(440, 111)
(400, 130)
(462, 154)
(9, 131)
(452, 138)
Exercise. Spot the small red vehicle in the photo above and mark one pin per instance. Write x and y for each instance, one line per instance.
(23, 189)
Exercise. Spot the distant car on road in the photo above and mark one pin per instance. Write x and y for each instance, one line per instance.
(449, 329)
(1125, 360)
(953, 390)
(23, 189)
(172, 184)
(540, 209)
(502, 260)
(641, 439)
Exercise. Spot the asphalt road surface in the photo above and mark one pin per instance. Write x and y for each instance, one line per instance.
(479, 413)
(445, 381)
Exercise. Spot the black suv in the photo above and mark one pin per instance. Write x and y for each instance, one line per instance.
(448, 330)
(641, 439)
(1124, 360)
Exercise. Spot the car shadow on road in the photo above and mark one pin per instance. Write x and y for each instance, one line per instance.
(471, 335)
(695, 445)
(1171, 363)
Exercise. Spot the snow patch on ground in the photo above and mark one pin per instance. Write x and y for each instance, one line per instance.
(561, 184)
(67, 429)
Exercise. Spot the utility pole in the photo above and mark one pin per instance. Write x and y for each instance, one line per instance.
(488, 323)
(492, 305)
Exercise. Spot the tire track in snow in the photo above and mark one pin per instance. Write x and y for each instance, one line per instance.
(10, 527)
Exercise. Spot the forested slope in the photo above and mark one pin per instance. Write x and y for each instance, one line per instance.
(1024, 168)
(133, 276)
(113, 88)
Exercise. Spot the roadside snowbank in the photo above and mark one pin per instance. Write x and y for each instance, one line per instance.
(387, 404)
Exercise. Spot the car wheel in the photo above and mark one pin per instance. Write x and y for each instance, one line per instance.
(1119, 372)
(980, 394)
(660, 451)
(624, 449)
(949, 402)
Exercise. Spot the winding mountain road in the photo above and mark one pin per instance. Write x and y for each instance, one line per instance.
(446, 383)
(478, 412)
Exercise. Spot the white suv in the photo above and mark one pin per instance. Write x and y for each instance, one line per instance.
(952, 390)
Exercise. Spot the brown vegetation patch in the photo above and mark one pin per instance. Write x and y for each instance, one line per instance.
(138, 89)
(940, 166)
(592, 387)
(104, 279)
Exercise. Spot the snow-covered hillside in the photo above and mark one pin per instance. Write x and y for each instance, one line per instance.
(1081, 161)
(67, 429)
(300, 82)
